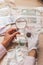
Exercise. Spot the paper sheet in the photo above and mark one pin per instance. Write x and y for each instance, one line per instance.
(5, 11)
(4, 21)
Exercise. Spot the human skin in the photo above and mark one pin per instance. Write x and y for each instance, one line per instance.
(9, 36)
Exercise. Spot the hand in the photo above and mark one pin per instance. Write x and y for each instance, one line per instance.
(9, 36)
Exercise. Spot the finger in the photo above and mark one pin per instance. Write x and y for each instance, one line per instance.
(14, 34)
(10, 31)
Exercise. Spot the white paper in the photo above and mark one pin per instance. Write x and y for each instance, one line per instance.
(2, 31)
(17, 13)
(4, 21)
(5, 11)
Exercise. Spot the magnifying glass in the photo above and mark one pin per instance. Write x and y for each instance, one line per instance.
(21, 24)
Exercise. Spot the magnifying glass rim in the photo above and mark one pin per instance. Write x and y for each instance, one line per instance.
(22, 21)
